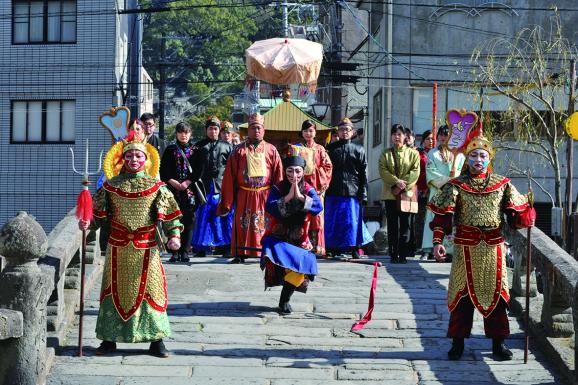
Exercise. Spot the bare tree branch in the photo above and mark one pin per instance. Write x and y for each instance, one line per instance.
(543, 155)
(519, 172)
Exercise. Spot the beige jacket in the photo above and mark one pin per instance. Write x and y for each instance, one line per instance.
(408, 160)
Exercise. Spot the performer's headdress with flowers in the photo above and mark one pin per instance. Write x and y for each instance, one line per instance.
(114, 159)
(213, 120)
(226, 126)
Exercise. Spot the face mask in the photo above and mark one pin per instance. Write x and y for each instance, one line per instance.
(485, 163)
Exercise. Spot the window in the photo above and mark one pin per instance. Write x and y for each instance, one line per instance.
(377, 106)
(43, 121)
(43, 21)
(422, 111)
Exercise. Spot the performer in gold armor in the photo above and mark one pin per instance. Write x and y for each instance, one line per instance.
(133, 299)
(477, 201)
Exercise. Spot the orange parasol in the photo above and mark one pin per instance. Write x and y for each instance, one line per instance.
(284, 61)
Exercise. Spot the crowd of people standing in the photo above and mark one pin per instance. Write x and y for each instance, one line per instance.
(289, 208)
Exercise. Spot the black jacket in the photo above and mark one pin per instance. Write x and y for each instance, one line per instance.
(212, 156)
(349, 177)
(173, 167)
(157, 143)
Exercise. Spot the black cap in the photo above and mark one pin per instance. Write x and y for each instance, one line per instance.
(294, 161)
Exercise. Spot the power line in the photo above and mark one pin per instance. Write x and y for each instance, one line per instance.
(464, 6)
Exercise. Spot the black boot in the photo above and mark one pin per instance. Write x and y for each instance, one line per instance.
(457, 349)
(105, 348)
(174, 258)
(226, 251)
(355, 253)
(394, 259)
(183, 257)
(500, 351)
(158, 349)
(201, 254)
(286, 293)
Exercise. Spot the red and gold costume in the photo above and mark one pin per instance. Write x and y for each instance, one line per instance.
(133, 294)
(318, 171)
(476, 206)
(252, 169)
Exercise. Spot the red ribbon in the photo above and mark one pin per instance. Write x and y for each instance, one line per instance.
(367, 317)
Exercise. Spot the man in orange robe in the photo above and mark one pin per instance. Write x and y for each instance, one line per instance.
(253, 167)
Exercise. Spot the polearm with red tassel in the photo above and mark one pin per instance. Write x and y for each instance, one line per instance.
(528, 272)
(84, 213)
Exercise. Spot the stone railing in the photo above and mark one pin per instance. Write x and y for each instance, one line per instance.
(554, 296)
(63, 254)
(39, 284)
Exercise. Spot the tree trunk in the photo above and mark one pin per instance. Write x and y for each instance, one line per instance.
(557, 178)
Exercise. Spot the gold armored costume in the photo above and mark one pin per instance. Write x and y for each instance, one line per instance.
(133, 293)
(478, 205)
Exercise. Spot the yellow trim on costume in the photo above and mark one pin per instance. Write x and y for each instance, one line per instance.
(294, 278)
(255, 189)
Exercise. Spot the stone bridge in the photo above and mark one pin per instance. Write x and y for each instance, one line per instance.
(225, 329)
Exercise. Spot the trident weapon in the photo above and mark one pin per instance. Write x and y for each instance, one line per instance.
(528, 271)
(84, 212)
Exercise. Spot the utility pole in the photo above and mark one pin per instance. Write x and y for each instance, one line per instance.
(284, 6)
(570, 164)
(162, 87)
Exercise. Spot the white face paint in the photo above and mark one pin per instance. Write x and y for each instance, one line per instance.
(134, 160)
(294, 174)
(478, 161)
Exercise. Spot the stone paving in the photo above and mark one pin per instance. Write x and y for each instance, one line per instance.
(225, 331)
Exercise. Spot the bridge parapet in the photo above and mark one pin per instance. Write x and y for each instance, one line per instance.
(63, 254)
(40, 284)
(554, 292)
(25, 290)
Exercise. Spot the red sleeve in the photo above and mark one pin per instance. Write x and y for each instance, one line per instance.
(277, 169)
(441, 225)
(421, 181)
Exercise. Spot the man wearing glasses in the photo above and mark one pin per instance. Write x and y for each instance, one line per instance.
(344, 227)
(153, 139)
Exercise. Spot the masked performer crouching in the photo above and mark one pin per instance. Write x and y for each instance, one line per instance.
(287, 258)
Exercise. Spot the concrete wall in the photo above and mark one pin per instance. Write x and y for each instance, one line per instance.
(38, 177)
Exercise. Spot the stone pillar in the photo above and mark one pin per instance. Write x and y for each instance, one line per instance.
(25, 288)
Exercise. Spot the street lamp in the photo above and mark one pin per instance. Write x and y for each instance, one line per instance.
(320, 110)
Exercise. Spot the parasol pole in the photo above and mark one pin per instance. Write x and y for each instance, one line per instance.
(84, 212)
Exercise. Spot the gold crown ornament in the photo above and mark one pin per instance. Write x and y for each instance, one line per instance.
(480, 142)
(257, 119)
(114, 159)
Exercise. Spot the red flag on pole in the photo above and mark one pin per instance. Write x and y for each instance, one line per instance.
(367, 317)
